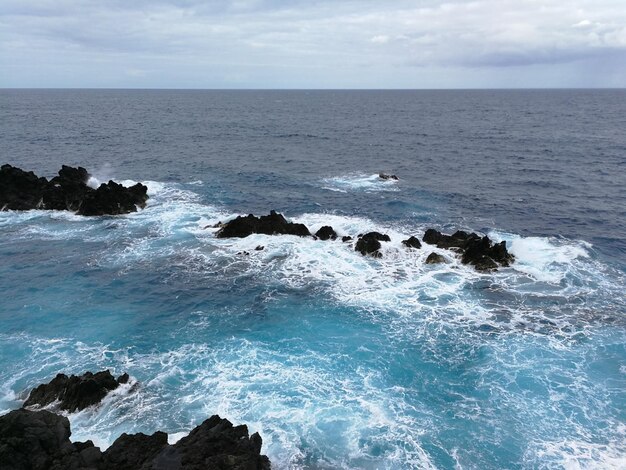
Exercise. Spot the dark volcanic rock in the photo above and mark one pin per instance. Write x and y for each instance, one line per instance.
(412, 242)
(133, 450)
(75, 392)
(369, 244)
(326, 233)
(458, 239)
(476, 250)
(272, 224)
(484, 256)
(113, 199)
(39, 440)
(435, 258)
(346, 239)
(20, 190)
(385, 176)
(217, 444)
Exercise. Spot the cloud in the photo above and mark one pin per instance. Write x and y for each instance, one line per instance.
(298, 43)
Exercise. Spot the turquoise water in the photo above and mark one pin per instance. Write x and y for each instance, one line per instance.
(337, 360)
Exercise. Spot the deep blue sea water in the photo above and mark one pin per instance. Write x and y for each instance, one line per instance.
(337, 360)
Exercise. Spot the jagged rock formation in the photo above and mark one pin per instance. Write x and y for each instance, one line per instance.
(21, 190)
(39, 440)
(75, 393)
(326, 233)
(412, 242)
(272, 224)
(478, 251)
(369, 244)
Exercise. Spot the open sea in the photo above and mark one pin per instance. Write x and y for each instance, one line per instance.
(339, 361)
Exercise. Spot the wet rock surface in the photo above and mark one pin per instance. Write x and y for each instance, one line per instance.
(412, 242)
(478, 251)
(272, 224)
(326, 233)
(40, 440)
(369, 244)
(22, 190)
(75, 393)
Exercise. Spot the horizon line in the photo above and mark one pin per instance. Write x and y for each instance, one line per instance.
(312, 89)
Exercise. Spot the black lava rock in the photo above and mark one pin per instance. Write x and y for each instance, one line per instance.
(385, 176)
(133, 450)
(369, 244)
(272, 224)
(346, 239)
(39, 440)
(412, 242)
(75, 393)
(476, 250)
(20, 190)
(326, 233)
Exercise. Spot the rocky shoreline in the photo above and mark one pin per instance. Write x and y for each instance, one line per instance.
(36, 439)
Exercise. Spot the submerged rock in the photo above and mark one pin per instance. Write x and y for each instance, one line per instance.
(75, 393)
(39, 440)
(272, 224)
(20, 190)
(326, 233)
(476, 250)
(369, 244)
(412, 242)
(435, 258)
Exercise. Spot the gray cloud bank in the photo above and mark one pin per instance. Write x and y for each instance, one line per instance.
(313, 44)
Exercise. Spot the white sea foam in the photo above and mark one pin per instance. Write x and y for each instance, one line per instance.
(359, 182)
(581, 455)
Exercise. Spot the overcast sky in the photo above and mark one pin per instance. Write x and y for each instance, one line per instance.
(313, 44)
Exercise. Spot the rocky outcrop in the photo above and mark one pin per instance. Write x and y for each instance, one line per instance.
(75, 393)
(369, 244)
(385, 176)
(478, 251)
(21, 190)
(272, 224)
(39, 440)
(412, 242)
(133, 450)
(326, 233)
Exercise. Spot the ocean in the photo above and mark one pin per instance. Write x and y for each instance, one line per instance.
(339, 361)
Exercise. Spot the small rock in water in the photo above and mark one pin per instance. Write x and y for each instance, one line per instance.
(369, 244)
(260, 248)
(412, 242)
(346, 239)
(386, 176)
(435, 258)
(326, 233)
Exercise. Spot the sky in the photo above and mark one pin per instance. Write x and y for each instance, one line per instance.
(312, 44)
